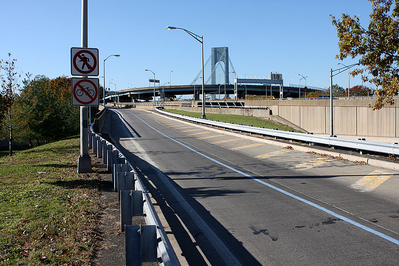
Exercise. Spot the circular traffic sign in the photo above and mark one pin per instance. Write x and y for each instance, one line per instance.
(85, 91)
(85, 62)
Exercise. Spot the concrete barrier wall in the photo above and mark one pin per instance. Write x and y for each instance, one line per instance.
(313, 118)
(346, 118)
(352, 117)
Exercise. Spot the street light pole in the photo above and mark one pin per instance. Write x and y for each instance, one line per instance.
(227, 75)
(303, 77)
(116, 55)
(201, 40)
(163, 92)
(339, 71)
(154, 81)
(116, 98)
(349, 78)
(331, 105)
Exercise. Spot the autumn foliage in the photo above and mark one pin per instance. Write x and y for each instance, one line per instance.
(377, 46)
(45, 111)
(360, 90)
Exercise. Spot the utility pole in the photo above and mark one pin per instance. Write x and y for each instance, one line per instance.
(84, 162)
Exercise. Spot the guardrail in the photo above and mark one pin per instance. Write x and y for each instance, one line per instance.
(112, 156)
(361, 145)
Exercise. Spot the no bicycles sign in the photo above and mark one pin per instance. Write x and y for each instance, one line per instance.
(84, 61)
(85, 92)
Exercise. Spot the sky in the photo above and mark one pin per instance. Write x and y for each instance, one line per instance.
(289, 37)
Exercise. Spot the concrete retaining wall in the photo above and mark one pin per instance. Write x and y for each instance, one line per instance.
(352, 117)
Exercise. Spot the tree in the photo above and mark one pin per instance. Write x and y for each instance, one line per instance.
(338, 91)
(45, 109)
(28, 106)
(360, 90)
(377, 46)
(9, 85)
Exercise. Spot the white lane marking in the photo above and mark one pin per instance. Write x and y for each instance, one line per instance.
(368, 229)
(219, 246)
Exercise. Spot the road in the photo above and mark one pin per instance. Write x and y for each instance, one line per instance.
(234, 200)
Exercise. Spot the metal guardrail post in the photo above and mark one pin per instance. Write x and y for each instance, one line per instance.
(138, 200)
(119, 168)
(99, 147)
(104, 150)
(140, 244)
(125, 182)
(90, 139)
(131, 205)
(115, 160)
(161, 247)
(94, 144)
(109, 157)
(126, 206)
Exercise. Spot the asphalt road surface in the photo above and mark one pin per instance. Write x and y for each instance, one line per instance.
(234, 200)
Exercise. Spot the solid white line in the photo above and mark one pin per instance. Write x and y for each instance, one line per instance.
(368, 229)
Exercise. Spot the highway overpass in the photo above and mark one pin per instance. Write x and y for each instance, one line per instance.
(212, 91)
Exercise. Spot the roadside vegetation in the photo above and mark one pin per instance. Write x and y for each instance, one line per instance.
(235, 119)
(375, 46)
(48, 212)
(36, 109)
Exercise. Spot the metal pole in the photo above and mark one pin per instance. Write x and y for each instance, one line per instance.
(331, 105)
(225, 77)
(299, 96)
(154, 88)
(305, 88)
(203, 79)
(116, 55)
(104, 83)
(349, 82)
(84, 161)
(201, 40)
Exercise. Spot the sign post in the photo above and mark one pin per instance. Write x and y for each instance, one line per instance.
(84, 161)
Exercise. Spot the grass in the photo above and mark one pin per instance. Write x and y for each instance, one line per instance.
(235, 119)
(48, 212)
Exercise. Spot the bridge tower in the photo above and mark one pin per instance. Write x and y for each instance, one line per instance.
(220, 54)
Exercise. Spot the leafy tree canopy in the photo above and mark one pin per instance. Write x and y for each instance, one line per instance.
(45, 110)
(360, 90)
(377, 46)
(338, 91)
(8, 92)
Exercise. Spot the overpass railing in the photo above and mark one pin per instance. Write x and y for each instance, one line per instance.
(113, 157)
(360, 144)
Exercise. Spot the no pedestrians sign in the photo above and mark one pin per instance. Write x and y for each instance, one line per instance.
(84, 61)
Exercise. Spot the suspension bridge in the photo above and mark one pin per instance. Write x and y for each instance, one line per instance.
(222, 83)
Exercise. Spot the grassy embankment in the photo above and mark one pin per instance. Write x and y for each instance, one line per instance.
(48, 212)
(235, 119)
